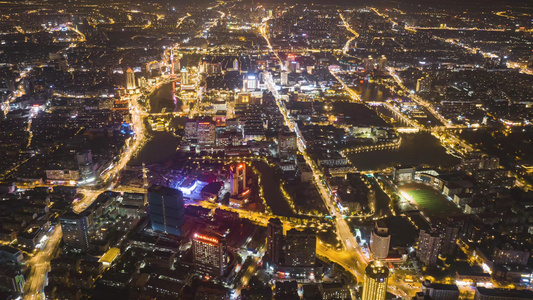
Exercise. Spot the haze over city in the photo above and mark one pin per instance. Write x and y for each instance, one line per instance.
(263, 150)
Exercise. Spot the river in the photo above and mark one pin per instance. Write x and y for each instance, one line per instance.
(162, 144)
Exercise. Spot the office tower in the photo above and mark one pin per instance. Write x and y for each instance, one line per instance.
(274, 240)
(85, 166)
(209, 253)
(300, 248)
(237, 177)
(184, 76)
(166, 209)
(130, 79)
(429, 246)
(236, 65)
(284, 78)
(206, 133)
(380, 240)
(375, 281)
(75, 231)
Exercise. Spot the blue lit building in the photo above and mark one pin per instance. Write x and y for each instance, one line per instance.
(166, 209)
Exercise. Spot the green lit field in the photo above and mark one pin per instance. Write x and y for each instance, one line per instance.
(430, 201)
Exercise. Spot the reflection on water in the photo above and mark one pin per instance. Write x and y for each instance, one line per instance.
(165, 99)
(416, 149)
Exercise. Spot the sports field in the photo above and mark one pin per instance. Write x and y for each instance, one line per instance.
(430, 201)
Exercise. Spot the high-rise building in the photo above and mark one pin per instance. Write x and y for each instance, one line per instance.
(184, 76)
(274, 240)
(209, 253)
(75, 231)
(284, 78)
(191, 129)
(382, 63)
(237, 177)
(507, 254)
(368, 64)
(85, 166)
(375, 281)
(166, 209)
(130, 79)
(429, 246)
(449, 238)
(380, 240)
(206, 133)
(236, 65)
(300, 248)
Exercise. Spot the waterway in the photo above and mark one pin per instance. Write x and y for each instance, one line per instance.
(162, 145)
(416, 149)
(271, 181)
(164, 99)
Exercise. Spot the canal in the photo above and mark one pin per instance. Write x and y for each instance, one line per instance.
(164, 99)
(416, 149)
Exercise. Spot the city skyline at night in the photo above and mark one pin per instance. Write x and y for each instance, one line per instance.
(266, 149)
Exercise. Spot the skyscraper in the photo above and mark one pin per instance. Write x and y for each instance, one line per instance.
(380, 240)
(209, 253)
(130, 79)
(236, 65)
(274, 240)
(166, 209)
(237, 177)
(375, 281)
(75, 231)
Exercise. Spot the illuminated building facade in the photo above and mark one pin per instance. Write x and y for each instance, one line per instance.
(237, 177)
(184, 76)
(375, 281)
(209, 253)
(166, 209)
(429, 246)
(130, 79)
(206, 133)
(380, 240)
